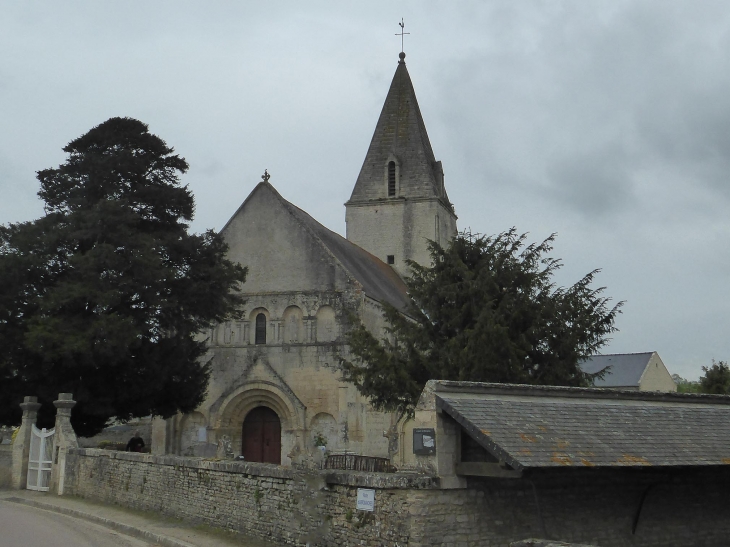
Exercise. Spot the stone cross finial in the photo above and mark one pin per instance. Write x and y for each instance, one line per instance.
(402, 26)
(266, 175)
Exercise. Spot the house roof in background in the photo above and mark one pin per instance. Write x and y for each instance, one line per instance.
(625, 368)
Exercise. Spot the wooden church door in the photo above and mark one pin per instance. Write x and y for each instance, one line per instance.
(262, 436)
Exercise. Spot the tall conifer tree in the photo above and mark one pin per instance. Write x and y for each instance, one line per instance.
(105, 295)
(486, 310)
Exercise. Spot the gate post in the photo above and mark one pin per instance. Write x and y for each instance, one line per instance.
(63, 439)
(21, 445)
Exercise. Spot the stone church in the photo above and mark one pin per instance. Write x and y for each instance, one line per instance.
(276, 390)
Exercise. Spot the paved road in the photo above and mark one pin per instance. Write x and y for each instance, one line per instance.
(22, 526)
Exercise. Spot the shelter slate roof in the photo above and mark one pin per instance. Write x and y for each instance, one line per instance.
(400, 131)
(626, 368)
(379, 281)
(548, 427)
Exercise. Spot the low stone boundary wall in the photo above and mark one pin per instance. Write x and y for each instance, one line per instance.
(6, 455)
(6, 463)
(269, 502)
(610, 508)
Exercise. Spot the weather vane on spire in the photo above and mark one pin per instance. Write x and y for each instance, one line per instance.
(402, 26)
(266, 175)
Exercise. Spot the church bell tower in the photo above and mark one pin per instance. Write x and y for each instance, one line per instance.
(399, 202)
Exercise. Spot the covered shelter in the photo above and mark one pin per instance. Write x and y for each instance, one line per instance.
(587, 465)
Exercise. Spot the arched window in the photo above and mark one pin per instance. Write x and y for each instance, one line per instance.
(260, 329)
(326, 324)
(293, 325)
(391, 179)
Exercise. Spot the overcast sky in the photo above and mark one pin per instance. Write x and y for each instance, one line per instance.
(607, 122)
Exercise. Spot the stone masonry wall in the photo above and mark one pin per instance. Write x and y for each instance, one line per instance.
(6, 463)
(6, 455)
(603, 508)
(618, 508)
(259, 500)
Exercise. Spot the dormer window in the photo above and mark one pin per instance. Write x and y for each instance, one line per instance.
(391, 179)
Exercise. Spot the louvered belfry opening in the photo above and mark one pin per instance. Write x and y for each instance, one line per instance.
(261, 329)
(391, 179)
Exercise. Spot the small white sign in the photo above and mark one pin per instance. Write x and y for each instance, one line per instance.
(365, 499)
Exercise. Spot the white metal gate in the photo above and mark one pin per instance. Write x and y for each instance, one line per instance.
(40, 459)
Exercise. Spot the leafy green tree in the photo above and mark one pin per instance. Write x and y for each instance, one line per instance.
(104, 296)
(686, 386)
(486, 310)
(716, 378)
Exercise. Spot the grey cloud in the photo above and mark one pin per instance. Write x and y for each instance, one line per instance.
(594, 183)
(604, 120)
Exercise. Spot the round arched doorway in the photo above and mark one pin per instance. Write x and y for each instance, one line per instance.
(261, 440)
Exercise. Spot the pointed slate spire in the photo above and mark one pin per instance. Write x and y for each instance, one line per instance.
(399, 203)
(400, 135)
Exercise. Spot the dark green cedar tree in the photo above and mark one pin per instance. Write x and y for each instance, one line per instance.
(716, 379)
(106, 294)
(486, 310)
